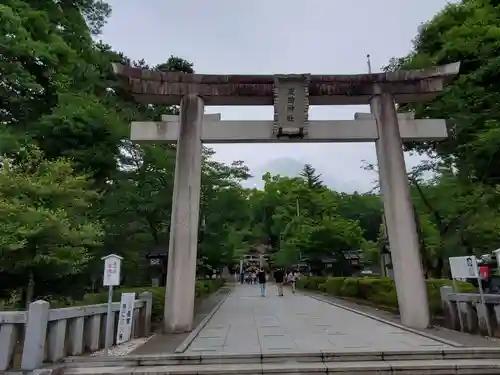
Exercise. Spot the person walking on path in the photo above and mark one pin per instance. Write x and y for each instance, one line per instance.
(262, 282)
(279, 277)
(292, 279)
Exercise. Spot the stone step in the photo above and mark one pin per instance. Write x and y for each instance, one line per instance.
(408, 367)
(301, 357)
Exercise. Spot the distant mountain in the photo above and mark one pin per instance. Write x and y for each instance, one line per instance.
(291, 167)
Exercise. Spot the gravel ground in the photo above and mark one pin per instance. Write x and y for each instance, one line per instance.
(123, 349)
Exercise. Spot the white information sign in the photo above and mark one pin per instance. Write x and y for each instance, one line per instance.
(112, 267)
(464, 267)
(124, 331)
(497, 255)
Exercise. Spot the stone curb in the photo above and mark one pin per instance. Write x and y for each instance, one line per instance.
(195, 332)
(50, 370)
(370, 367)
(382, 320)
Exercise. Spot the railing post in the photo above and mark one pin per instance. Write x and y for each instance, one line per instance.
(35, 335)
(147, 309)
(8, 339)
(92, 332)
(76, 327)
(450, 309)
(57, 340)
(497, 315)
(471, 318)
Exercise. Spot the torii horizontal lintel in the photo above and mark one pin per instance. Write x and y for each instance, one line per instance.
(148, 86)
(362, 129)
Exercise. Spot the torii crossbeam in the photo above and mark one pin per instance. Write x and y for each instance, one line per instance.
(362, 129)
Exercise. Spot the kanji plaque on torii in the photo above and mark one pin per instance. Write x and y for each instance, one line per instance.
(291, 105)
(291, 95)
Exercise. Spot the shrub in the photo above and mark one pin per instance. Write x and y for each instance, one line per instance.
(203, 288)
(434, 293)
(379, 291)
(310, 282)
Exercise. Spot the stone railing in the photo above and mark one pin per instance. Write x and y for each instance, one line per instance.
(465, 312)
(29, 338)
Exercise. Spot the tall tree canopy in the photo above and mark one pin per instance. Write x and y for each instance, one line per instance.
(74, 187)
(462, 200)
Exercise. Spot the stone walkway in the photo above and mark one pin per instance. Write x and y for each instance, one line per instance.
(248, 323)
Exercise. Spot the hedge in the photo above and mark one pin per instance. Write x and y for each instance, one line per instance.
(378, 291)
(203, 289)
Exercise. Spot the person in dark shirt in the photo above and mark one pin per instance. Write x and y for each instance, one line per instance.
(261, 276)
(279, 277)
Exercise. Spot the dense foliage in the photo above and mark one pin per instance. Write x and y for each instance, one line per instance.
(459, 208)
(73, 188)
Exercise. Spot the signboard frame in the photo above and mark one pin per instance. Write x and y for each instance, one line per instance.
(112, 270)
(125, 318)
(464, 267)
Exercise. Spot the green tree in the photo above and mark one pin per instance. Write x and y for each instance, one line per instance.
(312, 179)
(45, 232)
(458, 208)
(366, 209)
(224, 212)
(48, 86)
(302, 220)
(456, 218)
(466, 31)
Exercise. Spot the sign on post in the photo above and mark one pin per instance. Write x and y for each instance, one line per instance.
(111, 277)
(124, 332)
(112, 269)
(464, 267)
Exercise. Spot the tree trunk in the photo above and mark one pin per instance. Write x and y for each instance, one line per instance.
(439, 268)
(30, 290)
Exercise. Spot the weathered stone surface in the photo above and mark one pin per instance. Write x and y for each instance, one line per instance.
(262, 131)
(297, 323)
(291, 106)
(160, 87)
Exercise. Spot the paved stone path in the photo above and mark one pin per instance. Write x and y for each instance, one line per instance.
(248, 323)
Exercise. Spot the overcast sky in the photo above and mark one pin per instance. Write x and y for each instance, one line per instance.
(276, 36)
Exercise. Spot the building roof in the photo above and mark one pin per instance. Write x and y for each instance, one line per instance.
(157, 251)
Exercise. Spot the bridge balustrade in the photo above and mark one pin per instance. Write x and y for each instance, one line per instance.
(41, 334)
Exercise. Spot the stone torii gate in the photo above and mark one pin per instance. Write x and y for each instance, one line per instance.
(291, 96)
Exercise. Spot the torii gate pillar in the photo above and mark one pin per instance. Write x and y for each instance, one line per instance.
(398, 207)
(183, 244)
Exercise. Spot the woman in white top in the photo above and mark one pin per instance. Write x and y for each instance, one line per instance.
(292, 278)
